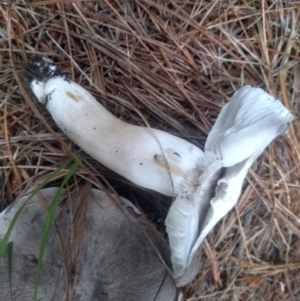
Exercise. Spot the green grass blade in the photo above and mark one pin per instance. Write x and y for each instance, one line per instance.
(49, 219)
(9, 251)
(258, 22)
(15, 218)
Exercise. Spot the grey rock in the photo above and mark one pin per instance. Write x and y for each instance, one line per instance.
(106, 254)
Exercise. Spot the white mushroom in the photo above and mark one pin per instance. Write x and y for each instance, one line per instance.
(148, 157)
(110, 255)
(244, 128)
(165, 163)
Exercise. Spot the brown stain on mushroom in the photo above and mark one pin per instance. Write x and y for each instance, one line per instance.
(169, 167)
(73, 96)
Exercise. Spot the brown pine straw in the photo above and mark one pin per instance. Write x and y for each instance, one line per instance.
(175, 63)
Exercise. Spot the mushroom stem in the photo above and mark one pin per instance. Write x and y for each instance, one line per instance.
(148, 157)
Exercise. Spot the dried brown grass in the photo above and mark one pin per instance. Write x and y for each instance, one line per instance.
(176, 62)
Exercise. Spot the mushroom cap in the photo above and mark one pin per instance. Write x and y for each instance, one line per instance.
(108, 254)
